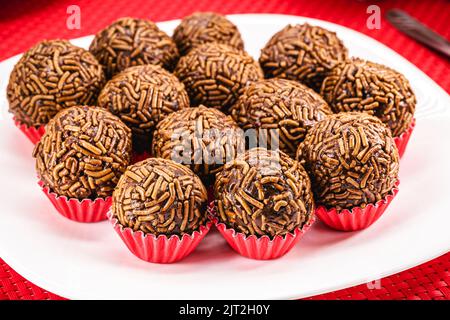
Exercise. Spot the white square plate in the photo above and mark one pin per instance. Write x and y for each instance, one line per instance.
(89, 261)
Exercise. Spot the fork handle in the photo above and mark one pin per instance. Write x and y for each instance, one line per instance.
(418, 31)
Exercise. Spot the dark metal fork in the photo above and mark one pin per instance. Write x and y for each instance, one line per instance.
(418, 31)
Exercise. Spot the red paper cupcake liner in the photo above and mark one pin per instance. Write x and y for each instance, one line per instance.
(33, 134)
(137, 157)
(161, 249)
(210, 192)
(356, 218)
(86, 210)
(260, 248)
(402, 140)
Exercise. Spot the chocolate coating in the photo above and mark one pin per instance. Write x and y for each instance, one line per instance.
(284, 105)
(51, 76)
(302, 52)
(216, 74)
(359, 85)
(263, 192)
(143, 95)
(160, 197)
(206, 27)
(83, 152)
(352, 160)
(129, 42)
(209, 138)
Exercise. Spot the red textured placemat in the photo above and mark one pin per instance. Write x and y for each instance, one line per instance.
(23, 23)
(430, 280)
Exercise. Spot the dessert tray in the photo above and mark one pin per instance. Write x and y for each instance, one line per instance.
(88, 261)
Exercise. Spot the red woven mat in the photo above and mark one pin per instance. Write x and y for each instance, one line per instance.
(430, 280)
(24, 22)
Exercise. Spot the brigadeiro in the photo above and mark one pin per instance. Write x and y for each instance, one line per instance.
(141, 96)
(49, 77)
(79, 160)
(286, 106)
(302, 52)
(264, 203)
(159, 210)
(202, 138)
(359, 85)
(129, 42)
(353, 163)
(206, 27)
(215, 74)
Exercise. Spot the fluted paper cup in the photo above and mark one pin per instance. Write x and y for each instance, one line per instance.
(85, 210)
(402, 140)
(159, 249)
(34, 134)
(357, 218)
(260, 248)
(139, 156)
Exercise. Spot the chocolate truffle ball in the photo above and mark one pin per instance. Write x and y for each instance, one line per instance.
(359, 85)
(49, 77)
(286, 106)
(129, 42)
(352, 160)
(206, 27)
(160, 197)
(216, 74)
(302, 52)
(83, 152)
(202, 138)
(263, 192)
(141, 96)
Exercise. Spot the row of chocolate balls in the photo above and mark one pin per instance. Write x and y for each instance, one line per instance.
(368, 185)
(54, 75)
(86, 151)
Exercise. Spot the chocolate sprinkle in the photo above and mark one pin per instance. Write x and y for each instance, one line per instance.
(83, 152)
(206, 27)
(129, 42)
(285, 105)
(359, 85)
(216, 74)
(51, 76)
(212, 139)
(160, 197)
(352, 160)
(302, 52)
(263, 192)
(143, 95)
